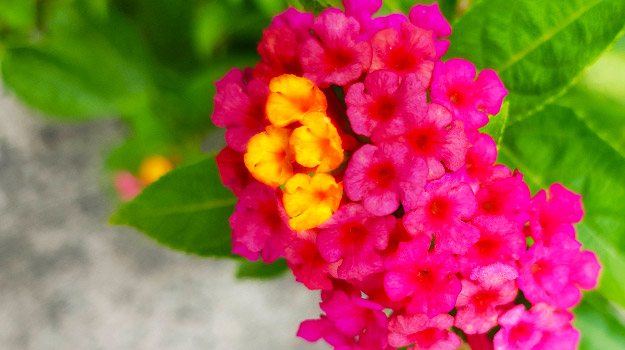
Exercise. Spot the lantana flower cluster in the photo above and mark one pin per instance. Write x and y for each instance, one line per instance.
(356, 155)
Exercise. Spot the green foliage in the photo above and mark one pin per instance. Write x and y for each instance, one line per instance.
(538, 47)
(314, 6)
(497, 123)
(260, 270)
(601, 323)
(52, 85)
(186, 210)
(554, 145)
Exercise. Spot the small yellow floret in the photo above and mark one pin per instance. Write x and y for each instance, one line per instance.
(152, 168)
(291, 97)
(269, 158)
(317, 143)
(311, 201)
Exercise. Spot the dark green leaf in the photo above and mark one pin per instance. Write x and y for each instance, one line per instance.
(258, 269)
(553, 145)
(448, 8)
(538, 47)
(497, 123)
(186, 210)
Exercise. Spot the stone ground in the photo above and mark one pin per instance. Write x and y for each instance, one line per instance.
(70, 281)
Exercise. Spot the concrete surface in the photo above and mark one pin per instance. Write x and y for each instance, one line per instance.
(70, 281)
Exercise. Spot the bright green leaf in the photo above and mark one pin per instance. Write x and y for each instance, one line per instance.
(601, 323)
(553, 145)
(186, 210)
(538, 47)
(258, 269)
(497, 123)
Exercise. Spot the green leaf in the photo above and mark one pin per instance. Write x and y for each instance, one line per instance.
(497, 123)
(448, 8)
(315, 6)
(601, 323)
(259, 269)
(538, 47)
(52, 85)
(554, 145)
(186, 210)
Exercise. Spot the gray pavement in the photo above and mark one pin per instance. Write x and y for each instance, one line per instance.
(70, 281)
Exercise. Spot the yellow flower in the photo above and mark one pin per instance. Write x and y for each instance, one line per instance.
(291, 97)
(152, 168)
(317, 143)
(269, 158)
(311, 201)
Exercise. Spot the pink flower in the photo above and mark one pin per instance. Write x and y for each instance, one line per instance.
(127, 185)
(454, 86)
(556, 214)
(423, 332)
(350, 313)
(442, 210)
(336, 57)
(259, 222)
(279, 51)
(299, 22)
(314, 330)
(383, 176)
(240, 107)
(429, 17)
(479, 301)
(410, 50)
(500, 241)
(520, 329)
(427, 280)
(388, 98)
(552, 274)
(480, 162)
(354, 235)
(509, 197)
(307, 264)
(432, 136)
(232, 170)
(558, 333)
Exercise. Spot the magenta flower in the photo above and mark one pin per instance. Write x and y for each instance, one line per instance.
(259, 222)
(442, 211)
(509, 197)
(232, 170)
(279, 51)
(350, 313)
(432, 136)
(480, 302)
(299, 22)
(429, 17)
(427, 280)
(382, 176)
(356, 236)
(521, 329)
(480, 162)
(383, 99)
(552, 274)
(501, 240)
(556, 214)
(410, 50)
(469, 100)
(307, 264)
(423, 332)
(240, 107)
(335, 57)
(322, 328)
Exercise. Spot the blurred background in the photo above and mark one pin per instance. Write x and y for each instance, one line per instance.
(91, 88)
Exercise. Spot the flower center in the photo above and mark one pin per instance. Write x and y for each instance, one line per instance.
(438, 208)
(384, 109)
(382, 174)
(400, 60)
